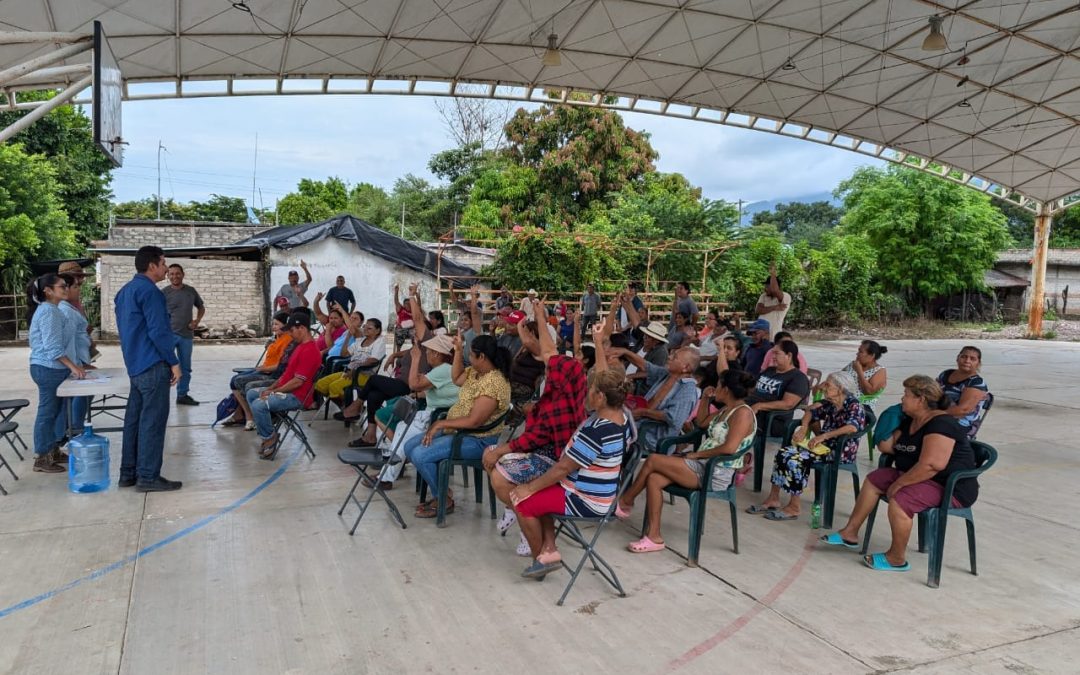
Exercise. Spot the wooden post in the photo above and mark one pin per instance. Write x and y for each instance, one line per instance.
(1038, 272)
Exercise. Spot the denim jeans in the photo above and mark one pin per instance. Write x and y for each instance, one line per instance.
(78, 406)
(426, 458)
(263, 409)
(184, 345)
(48, 380)
(145, 419)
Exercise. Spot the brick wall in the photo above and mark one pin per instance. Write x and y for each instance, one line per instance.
(131, 234)
(232, 290)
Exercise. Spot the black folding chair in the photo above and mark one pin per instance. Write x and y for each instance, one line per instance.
(289, 421)
(570, 527)
(4, 429)
(339, 364)
(9, 428)
(370, 462)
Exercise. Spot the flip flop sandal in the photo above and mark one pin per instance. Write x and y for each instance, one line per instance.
(433, 511)
(756, 510)
(645, 545)
(834, 539)
(778, 516)
(878, 561)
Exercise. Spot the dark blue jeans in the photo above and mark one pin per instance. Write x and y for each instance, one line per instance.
(144, 423)
(48, 380)
(184, 346)
(78, 406)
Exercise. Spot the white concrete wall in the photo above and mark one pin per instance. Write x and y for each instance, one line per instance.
(1058, 277)
(370, 277)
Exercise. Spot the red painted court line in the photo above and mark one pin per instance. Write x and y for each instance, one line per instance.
(738, 624)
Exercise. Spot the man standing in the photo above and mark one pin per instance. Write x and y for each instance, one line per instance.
(623, 323)
(341, 295)
(294, 291)
(182, 301)
(504, 299)
(590, 309)
(684, 304)
(774, 303)
(292, 389)
(149, 349)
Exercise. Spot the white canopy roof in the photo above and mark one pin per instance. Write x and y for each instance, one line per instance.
(998, 109)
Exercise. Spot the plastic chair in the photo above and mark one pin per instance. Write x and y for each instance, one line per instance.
(477, 465)
(337, 364)
(697, 497)
(762, 439)
(570, 527)
(931, 523)
(827, 473)
(372, 459)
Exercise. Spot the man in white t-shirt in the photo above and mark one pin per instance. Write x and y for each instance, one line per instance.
(774, 303)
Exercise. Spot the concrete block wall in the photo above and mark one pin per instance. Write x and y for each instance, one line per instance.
(234, 291)
(125, 234)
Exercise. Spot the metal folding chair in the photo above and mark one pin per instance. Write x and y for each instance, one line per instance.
(289, 421)
(369, 463)
(570, 527)
(9, 428)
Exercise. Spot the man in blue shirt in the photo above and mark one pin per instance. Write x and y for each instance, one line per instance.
(755, 352)
(148, 344)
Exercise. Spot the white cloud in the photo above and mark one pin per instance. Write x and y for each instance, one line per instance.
(377, 139)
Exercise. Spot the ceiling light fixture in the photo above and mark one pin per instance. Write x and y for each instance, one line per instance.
(935, 41)
(963, 104)
(552, 57)
(788, 65)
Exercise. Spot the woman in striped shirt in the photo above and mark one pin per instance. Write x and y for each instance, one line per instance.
(585, 480)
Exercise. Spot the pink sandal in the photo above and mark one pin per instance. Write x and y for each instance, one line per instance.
(620, 514)
(645, 545)
(549, 557)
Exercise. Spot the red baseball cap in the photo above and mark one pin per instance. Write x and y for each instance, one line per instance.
(516, 316)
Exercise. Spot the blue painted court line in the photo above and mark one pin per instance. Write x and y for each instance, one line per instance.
(195, 527)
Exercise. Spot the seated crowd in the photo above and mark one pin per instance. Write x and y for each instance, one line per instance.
(550, 402)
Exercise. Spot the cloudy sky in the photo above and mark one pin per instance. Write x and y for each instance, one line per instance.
(210, 145)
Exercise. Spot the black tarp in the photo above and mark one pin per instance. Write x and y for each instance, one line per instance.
(369, 238)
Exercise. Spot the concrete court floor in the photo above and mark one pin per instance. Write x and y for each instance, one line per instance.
(278, 586)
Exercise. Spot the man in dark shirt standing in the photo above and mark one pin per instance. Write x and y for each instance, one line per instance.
(182, 301)
(342, 295)
(149, 348)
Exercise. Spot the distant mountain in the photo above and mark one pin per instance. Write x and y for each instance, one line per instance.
(749, 210)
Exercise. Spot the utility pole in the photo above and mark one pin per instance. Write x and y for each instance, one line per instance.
(254, 168)
(740, 213)
(160, 147)
(403, 220)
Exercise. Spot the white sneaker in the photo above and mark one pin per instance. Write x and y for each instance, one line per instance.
(508, 519)
(523, 548)
(249, 425)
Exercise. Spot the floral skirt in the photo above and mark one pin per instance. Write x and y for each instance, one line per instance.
(520, 468)
(791, 469)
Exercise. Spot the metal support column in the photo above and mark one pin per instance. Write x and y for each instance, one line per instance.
(1036, 301)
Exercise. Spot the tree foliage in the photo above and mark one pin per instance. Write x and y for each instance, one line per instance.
(65, 138)
(33, 222)
(932, 237)
(801, 222)
(555, 261)
(217, 209)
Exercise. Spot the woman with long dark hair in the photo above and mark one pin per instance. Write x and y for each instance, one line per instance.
(50, 334)
(483, 398)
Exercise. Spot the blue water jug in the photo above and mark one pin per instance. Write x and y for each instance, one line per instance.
(88, 462)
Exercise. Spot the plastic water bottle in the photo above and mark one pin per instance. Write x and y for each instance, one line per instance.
(88, 462)
(815, 516)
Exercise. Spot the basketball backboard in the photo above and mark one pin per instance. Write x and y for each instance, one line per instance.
(108, 91)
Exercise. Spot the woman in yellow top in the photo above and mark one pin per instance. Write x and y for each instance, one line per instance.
(484, 398)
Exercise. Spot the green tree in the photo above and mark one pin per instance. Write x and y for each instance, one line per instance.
(220, 209)
(428, 212)
(553, 260)
(371, 203)
(83, 173)
(1064, 230)
(932, 237)
(502, 198)
(579, 154)
(332, 192)
(840, 284)
(33, 223)
(741, 272)
(799, 221)
(297, 209)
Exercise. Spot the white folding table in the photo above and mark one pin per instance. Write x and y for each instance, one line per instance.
(108, 391)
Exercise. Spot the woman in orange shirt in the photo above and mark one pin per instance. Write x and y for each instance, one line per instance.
(273, 364)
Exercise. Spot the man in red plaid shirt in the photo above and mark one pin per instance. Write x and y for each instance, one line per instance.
(549, 425)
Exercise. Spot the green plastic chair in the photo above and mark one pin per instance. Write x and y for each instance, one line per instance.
(762, 439)
(477, 465)
(827, 473)
(697, 497)
(931, 523)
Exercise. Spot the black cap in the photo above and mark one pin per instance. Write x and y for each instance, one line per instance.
(299, 319)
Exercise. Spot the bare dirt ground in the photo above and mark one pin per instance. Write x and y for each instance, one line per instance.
(1063, 330)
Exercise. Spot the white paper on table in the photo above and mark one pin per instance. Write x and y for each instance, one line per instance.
(97, 379)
